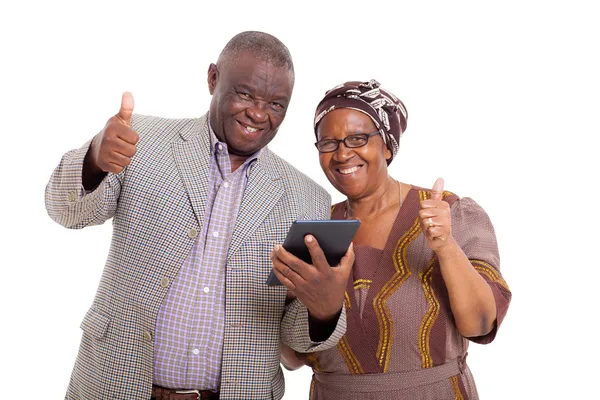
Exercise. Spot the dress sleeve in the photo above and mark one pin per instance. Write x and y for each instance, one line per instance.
(474, 233)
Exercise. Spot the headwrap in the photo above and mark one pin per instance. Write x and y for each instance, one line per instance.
(386, 110)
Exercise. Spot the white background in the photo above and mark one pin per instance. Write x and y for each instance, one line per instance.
(503, 102)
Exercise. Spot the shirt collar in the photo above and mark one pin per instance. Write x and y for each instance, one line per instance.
(217, 147)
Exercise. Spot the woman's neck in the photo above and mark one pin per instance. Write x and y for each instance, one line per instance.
(372, 205)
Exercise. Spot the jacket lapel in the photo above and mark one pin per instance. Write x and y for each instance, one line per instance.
(192, 157)
(263, 190)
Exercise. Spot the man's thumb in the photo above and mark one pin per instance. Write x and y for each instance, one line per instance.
(126, 108)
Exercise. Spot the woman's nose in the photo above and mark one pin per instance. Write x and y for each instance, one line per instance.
(343, 153)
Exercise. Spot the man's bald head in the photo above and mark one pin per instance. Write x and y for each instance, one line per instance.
(261, 45)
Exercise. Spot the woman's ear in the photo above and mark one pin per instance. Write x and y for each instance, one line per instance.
(388, 154)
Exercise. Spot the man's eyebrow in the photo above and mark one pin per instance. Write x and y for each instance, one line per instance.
(282, 98)
(243, 87)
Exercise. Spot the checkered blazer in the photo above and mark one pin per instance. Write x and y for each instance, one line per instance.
(157, 204)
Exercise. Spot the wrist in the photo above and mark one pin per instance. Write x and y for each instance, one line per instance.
(90, 161)
(448, 249)
(320, 330)
(92, 174)
(326, 317)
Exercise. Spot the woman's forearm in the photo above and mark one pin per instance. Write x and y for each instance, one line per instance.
(471, 298)
(289, 359)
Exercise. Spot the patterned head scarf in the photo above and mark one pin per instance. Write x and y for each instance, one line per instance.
(387, 112)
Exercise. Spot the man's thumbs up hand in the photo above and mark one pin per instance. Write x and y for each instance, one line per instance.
(126, 110)
(113, 148)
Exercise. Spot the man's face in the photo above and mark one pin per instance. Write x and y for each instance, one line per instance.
(250, 100)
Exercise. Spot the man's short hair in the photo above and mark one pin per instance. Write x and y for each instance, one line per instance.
(262, 45)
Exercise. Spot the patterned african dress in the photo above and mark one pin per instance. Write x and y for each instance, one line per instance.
(401, 341)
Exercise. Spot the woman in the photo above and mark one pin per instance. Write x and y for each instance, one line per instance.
(426, 277)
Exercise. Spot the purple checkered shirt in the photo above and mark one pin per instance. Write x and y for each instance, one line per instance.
(189, 328)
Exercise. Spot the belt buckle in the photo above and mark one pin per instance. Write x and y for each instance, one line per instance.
(195, 391)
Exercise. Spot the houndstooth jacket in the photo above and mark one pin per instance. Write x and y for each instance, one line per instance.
(157, 204)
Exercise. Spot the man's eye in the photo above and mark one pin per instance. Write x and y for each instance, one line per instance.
(277, 106)
(244, 95)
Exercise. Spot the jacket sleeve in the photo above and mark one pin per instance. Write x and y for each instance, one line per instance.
(69, 204)
(294, 329)
(294, 325)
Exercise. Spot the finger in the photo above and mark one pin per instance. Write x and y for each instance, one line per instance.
(114, 168)
(128, 135)
(121, 146)
(284, 280)
(436, 232)
(438, 189)
(287, 270)
(434, 204)
(290, 295)
(126, 110)
(119, 159)
(316, 253)
(429, 212)
(347, 261)
(429, 222)
(289, 260)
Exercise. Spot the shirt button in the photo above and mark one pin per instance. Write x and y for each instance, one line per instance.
(196, 351)
(72, 196)
(206, 290)
(219, 146)
(192, 233)
(226, 184)
(147, 336)
(164, 282)
(216, 234)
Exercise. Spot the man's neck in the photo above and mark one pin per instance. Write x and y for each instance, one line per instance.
(237, 161)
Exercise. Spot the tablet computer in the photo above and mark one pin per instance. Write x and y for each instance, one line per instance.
(334, 237)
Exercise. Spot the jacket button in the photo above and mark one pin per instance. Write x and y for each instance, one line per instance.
(164, 282)
(192, 233)
(147, 336)
(72, 196)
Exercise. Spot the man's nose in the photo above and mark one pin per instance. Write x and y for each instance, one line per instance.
(257, 113)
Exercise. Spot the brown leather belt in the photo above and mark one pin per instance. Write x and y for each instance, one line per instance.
(161, 393)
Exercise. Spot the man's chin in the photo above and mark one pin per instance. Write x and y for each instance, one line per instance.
(243, 152)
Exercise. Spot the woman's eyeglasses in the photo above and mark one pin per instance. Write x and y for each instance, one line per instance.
(350, 141)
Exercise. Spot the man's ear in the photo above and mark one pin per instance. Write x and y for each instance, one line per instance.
(213, 75)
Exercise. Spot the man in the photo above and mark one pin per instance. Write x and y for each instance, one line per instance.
(182, 310)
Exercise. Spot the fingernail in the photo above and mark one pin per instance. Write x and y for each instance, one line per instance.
(309, 238)
(276, 248)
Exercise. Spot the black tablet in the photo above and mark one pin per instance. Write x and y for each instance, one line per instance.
(334, 237)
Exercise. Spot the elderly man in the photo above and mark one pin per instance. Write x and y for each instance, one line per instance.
(182, 310)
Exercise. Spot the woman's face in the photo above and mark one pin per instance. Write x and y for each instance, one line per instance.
(355, 172)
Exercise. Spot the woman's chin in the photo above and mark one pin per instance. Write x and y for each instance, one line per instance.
(351, 192)
(347, 186)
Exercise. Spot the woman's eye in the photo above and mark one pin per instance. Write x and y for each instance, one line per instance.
(354, 139)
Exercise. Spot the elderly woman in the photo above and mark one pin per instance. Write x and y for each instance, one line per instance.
(426, 276)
